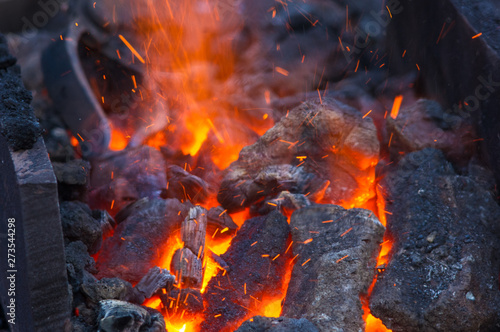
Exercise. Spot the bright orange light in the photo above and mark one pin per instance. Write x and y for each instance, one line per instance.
(119, 140)
(273, 308)
(374, 324)
(157, 141)
(154, 302)
(74, 141)
(173, 244)
(224, 155)
(198, 128)
(211, 270)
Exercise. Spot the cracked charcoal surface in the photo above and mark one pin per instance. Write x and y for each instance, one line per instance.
(341, 149)
(261, 277)
(135, 245)
(17, 119)
(79, 225)
(335, 265)
(443, 274)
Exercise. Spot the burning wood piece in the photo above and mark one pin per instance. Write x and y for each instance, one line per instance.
(425, 124)
(443, 273)
(120, 316)
(187, 263)
(281, 324)
(155, 280)
(187, 268)
(79, 225)
(336, 260)
(257, 260)
(185, 302)
(325, 150)
(139, 240)
(185, 186)
(127, 176)
(220, 225)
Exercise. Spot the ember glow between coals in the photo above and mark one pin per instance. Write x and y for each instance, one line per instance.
(187, 50)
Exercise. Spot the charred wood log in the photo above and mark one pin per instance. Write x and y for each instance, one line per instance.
(443, 273)
(188, 268)
(194, 229)
(337, 251)
(155, 280)
(323, 149)
(187, 263)
(257, 261)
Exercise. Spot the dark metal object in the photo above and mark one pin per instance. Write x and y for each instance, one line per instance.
(66, 79)
(459, 71)
(29, 194)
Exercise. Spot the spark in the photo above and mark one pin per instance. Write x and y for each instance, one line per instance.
(396, 106)
(132, 49)
(342, 235)
(341, 259)
(282, 71)
(478, 35)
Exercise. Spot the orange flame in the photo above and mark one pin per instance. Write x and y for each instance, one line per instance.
(374, 324)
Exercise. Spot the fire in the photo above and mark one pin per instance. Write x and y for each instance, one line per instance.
(374, 324)
(186, 62)
(119, 140)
